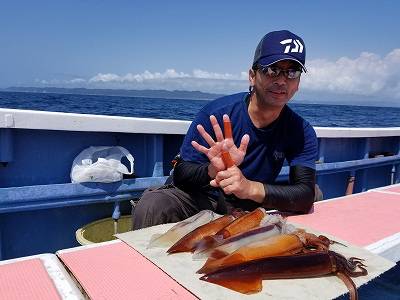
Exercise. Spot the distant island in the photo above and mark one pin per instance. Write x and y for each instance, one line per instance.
(194, 95)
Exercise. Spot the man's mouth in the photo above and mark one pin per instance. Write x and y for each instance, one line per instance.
(278, 92)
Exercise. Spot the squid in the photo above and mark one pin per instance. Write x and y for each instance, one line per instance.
(181, 229)
(226, 157)
(278, 245)
(247, 277)
(244, 223)
(189, 241)
(275, 225)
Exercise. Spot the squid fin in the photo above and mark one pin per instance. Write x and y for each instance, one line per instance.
(244, 285)
(350, 285)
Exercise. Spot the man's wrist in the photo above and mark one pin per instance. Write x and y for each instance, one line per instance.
(265, 200)
(257, 192)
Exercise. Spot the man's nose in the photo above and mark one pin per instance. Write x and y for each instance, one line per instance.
(280, 79)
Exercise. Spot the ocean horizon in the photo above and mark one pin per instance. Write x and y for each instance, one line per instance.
(322, 115)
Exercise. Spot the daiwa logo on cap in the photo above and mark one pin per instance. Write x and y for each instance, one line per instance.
(280, 45)
(297, 47)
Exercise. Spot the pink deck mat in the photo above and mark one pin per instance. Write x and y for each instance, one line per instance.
(395, 189)
(116, 271)
(27, 279)
(361, 219)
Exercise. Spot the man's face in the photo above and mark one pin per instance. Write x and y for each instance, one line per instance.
(275, 91)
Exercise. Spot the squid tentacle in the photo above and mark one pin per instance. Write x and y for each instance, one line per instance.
(350, 265)
(349, 284)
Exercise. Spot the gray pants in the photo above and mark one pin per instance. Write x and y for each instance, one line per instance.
(168, 204)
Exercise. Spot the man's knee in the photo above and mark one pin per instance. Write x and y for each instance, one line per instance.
(155, 207)
(153, 200)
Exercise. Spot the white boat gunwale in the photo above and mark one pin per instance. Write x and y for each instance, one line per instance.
(33, 119)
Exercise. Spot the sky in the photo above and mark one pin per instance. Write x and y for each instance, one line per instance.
(353, 47)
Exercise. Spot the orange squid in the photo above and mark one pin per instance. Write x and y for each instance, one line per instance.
(228, 128)
(180, 229)
(247, 278)
(189, 241)
(226, 157)
(242, 224)
(283, 244)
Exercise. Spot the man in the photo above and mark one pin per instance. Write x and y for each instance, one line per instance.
(265, 133)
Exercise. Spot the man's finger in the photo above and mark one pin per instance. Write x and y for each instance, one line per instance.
(244, 143)
(217, 129)
(226, 185)
(214, 183)
(205, 135)
(227, 190)
(199, 147)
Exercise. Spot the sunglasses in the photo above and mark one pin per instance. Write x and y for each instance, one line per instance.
(275, 72)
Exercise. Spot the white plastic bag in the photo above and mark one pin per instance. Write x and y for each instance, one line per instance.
(101, 164)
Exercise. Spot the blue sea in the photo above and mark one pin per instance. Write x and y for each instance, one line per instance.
(385, 287)
(185, 109)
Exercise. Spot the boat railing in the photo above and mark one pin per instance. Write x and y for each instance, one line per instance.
(13, 199)
(82, 203)
(354, 173)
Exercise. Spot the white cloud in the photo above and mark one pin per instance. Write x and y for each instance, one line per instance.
(210, 75)
(146, 75)
(77, 80)
(168, 74)
(105, 78)
(173, 80)
(74, 81)
(366, 75)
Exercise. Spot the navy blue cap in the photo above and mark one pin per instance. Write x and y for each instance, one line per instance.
(280, 45)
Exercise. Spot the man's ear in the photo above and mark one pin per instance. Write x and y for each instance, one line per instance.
(252, 77)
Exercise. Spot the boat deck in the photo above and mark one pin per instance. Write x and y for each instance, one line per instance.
(113, 270)
(363, 219)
